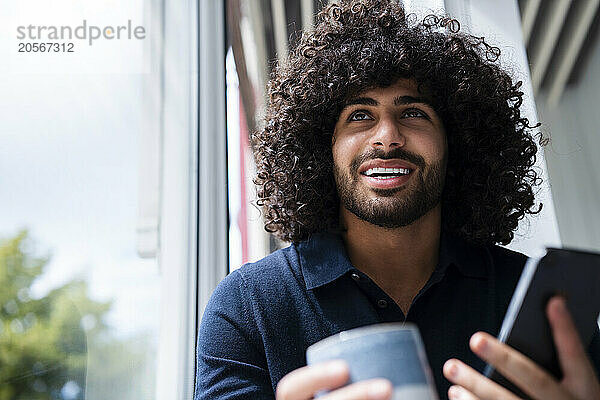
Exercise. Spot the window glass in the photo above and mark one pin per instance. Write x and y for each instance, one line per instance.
(258, 33)
(78, 269)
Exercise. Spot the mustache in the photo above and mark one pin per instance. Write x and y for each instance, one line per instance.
(397, 153)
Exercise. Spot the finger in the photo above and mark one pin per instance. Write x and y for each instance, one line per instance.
(571, 354)
(579, 374)
(303, 383)
(517, 368)
(457, 392)
(375, 389)
(478, 385)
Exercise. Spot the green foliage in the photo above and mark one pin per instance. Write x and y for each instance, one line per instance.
(43, 342)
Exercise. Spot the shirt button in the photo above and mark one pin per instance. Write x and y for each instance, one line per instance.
(382, 304)
(355, 276)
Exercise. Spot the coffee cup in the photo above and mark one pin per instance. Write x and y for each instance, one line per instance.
(392, 351)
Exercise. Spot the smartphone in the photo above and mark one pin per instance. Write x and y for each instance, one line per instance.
(573, 274)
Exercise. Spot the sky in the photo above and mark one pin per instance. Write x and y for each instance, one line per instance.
(70, 133)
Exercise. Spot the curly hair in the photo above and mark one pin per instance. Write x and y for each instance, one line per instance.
(362, 44)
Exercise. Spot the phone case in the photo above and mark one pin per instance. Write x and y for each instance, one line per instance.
(572, 273)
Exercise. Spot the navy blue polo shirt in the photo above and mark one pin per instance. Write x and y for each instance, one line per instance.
(262, 317)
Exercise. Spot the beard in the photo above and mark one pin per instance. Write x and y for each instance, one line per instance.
(396, 207)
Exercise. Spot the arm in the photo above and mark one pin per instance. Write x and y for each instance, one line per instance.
(579, 381)
(230, 359)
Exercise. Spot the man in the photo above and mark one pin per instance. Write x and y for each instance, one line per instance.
(394, 157)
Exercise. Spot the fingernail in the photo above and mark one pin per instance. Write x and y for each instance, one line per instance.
(380, 390)
(480, 343)
(454, 392)
(336, 368)
(452, 369)
(561, 306)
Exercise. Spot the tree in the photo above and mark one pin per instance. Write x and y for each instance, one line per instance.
(43, 342)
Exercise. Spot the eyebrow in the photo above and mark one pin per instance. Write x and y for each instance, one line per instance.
(398, 101)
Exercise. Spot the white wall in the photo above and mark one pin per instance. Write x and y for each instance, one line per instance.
(499, 22)
(572, 157)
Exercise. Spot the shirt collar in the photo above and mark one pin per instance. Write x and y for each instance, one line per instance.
(323, 258)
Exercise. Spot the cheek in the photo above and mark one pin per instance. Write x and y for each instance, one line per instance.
(344, 148)
(431, 147)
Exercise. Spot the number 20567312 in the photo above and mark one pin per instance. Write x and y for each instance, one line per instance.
(46, 47)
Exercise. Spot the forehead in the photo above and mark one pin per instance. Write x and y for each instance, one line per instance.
(408, 87)
(401, 92)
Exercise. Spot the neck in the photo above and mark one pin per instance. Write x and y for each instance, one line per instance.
(399, 260)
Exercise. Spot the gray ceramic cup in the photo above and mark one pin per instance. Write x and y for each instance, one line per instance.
(393, 351)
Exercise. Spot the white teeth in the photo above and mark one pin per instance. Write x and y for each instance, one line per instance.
(372, 171)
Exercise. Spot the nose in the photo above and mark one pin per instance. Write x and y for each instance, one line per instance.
(388, 135)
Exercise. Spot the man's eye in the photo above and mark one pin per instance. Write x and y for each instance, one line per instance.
(414, 113)
(359, 116)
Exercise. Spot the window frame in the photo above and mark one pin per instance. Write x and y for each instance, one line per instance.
(193, 223)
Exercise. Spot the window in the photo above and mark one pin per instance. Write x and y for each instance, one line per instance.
(99, 199)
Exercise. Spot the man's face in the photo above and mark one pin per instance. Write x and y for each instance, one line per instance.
(389, 153)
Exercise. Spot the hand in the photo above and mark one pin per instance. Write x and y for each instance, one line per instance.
(303, 383)
(579, 378)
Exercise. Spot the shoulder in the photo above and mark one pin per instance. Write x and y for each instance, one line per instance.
(258, 282)
(507, 261)
(507, 266)
(279, 269)
(251, 302)
(234, 303)
(482, 260)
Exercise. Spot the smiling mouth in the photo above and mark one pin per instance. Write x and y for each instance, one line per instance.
(386, 178)
(386, 173)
